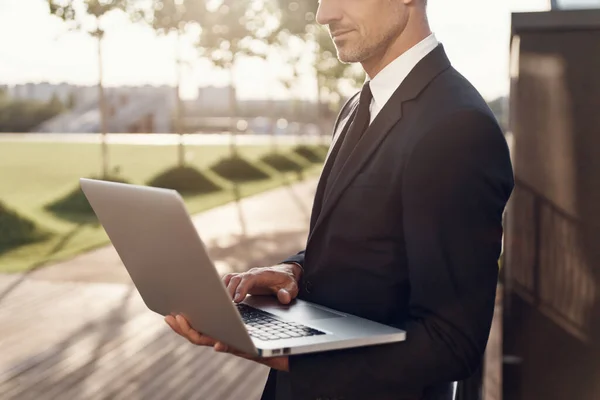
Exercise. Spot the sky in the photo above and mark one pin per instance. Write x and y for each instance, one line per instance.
(35, 47)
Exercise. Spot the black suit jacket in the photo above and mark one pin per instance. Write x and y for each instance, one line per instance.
(408, 234)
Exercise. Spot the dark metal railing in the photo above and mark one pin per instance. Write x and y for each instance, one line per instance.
(546, 263)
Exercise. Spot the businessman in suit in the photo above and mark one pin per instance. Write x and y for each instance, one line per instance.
(406, 225)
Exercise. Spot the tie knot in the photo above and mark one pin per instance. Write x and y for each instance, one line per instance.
(365, 94)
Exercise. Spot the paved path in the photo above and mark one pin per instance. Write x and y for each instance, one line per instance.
(79, 330)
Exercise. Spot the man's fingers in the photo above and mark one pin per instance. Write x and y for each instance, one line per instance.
(227, 279)
(280, 363)
(233, 285)
(286, 294)
(244, 287)
(170, 320)
(192, 335)
(221, 347)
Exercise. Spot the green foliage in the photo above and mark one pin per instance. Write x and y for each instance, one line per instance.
(313, 154)
(166, 16)
(296, 15)
(69, 12)
(186, 180)
(230, 30)
(282, 162)
(16, 231)
(237, 169)
(25, 115)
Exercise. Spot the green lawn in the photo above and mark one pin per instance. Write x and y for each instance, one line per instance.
(33, 175)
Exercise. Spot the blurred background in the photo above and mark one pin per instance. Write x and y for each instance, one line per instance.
(232, 103)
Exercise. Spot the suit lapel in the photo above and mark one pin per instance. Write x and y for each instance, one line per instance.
(423, 73)
(338, 138)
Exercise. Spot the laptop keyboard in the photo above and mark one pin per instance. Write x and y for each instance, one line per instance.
(266, 326)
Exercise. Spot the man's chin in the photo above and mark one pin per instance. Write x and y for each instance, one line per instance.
(347, 58)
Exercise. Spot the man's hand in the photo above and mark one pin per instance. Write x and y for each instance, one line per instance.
(180, 325)
(280, 280)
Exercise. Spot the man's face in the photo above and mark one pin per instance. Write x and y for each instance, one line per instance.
(361, 29)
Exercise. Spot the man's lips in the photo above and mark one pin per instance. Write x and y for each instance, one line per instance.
(337, 34)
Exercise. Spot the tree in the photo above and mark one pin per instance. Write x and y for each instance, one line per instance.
(71, 100)
(75, 14)
(232, 29)
(55, 103)
(174, 17)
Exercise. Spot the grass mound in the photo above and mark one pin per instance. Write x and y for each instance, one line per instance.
(313, 154)
(323, 148)
(74, 206)
(186, 180)
(282, 163)
(238, 169)
(16, 230)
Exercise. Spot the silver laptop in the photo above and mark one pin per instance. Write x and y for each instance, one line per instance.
(154, 235)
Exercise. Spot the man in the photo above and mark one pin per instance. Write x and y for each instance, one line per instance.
(406, 225)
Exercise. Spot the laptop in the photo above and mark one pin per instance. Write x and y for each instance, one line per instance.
(168, 263)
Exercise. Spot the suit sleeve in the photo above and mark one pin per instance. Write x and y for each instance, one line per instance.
(295, 259)
(455, 186)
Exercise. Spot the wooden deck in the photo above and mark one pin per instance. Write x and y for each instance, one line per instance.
(73, 340)
(62, 340)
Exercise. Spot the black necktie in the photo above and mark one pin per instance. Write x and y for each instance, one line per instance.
(359, 125)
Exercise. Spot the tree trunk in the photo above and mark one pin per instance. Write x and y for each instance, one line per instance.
(273, 126)
(233, 107)
(179, 105)
(271, 113)
(102, 109)
(319, 116)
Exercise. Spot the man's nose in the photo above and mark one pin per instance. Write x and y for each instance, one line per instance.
(329, 12)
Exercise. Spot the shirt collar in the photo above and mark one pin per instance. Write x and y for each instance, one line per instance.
(385, 83)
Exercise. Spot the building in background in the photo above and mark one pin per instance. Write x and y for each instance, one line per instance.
(551, 268)
(147, 109)
(574, 4)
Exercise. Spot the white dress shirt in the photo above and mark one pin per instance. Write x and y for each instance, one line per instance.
(385, 83)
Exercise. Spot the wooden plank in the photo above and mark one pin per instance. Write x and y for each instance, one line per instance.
(251, 387)
(49, 324)
(112, 369)
(73, 354)
(195, 381)
(167, 369)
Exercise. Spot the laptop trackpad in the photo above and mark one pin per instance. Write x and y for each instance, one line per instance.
(307, 312)
(295, 311)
